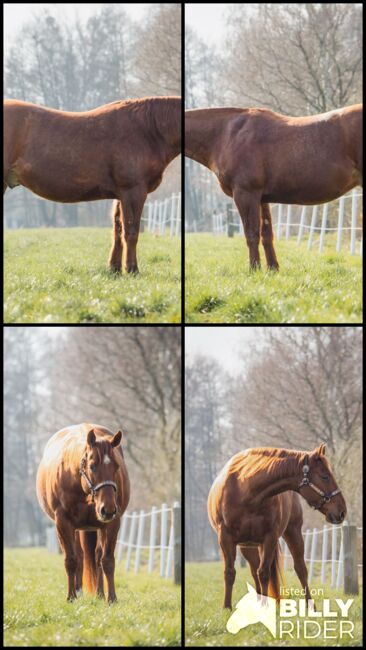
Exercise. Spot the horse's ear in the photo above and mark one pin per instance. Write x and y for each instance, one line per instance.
(116, 440)
(321, 450)
(91, 439)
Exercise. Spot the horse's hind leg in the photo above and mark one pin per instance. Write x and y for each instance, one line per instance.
(267, 237)
(252, 556)
(132, 204)
(79, 567)
(115, 256)
(228, 548)
(98, 562)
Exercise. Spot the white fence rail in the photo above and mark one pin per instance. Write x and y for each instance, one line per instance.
(152, 538)
(164, 216)
(324, 553)
(302, 221)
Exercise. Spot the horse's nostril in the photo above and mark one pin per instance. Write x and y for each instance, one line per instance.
(102, 511)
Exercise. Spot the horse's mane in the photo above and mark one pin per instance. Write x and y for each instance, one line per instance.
(276, 462)
(75, 446)
(156, 112)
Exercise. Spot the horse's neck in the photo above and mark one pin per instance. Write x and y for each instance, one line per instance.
(200, 134)
(170, 127)
(266, 486)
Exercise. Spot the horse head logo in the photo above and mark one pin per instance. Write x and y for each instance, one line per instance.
(253, 608)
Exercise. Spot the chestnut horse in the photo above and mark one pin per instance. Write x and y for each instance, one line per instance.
(83, 486)
(254, 501)
(117, 151)
(261, 157)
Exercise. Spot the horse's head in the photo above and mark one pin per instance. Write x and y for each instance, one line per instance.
(99, 470)
(319, 488)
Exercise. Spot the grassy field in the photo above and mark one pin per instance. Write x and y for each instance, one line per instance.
(61, 276)
(310, 287)
(205, 620)
(36, 612)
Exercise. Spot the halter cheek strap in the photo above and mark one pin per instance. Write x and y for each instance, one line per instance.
(306, 482)
(94, 488)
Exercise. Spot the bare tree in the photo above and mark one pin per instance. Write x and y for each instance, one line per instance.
(158, 51)
(295, 58)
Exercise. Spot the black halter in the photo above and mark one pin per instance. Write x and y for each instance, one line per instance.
(306, 481)
(94, 488)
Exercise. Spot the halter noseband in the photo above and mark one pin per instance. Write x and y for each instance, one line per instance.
(306, 481)
(94, 488)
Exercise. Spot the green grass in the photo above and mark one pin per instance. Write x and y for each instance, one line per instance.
(311, 287)
(205, 620)
(61, 276)
(36, 612)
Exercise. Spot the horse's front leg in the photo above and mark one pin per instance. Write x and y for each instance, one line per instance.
(115, 256)
(295, 542)
(267, 557)
(228, 548)
(108, 541)
(248, 205)
(79, 567)
(132, 202)
(66, 537)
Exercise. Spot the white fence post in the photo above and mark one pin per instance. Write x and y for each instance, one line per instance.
(353, 222)
(131, 539)
(340, 224)
(152, 539)
(313, 554)
(334, 556)
(179, 218)
(140, 535)
(163, 534)
(324, 554)
(340, 564)
(279, 221)
(121, 538)
(324, 225)
(288, 221)
(169, 559)
(312, 226)
(302, 223)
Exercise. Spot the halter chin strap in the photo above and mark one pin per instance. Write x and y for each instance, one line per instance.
(94, 488)
(306, 481)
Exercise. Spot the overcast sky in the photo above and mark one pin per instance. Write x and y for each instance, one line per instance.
(15, 15)
(220, 343)
(207, 20)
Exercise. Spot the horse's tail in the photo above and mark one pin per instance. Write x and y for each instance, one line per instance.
(275, 579)
(88, 541)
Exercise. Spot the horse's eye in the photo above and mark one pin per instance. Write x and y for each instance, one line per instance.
(325, 477)
(92, 468)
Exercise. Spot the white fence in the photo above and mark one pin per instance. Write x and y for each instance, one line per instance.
(161, 216)
(302, 221)
(323, 553)
(152, 538)
(146, 538)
